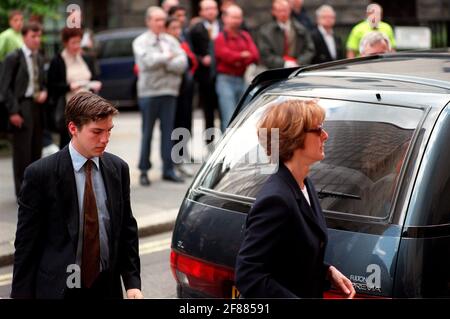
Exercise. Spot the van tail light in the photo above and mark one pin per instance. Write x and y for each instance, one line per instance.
(213, 280)
(334, 294)
(136, 69)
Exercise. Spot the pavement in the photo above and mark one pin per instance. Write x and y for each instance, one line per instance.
(155, 207)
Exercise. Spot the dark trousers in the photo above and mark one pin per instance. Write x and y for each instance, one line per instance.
(208, 99)
(183, 113)
(27, 140)
(100, 289)
(152, 108)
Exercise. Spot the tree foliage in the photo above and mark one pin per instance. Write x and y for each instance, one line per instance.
(43, 8)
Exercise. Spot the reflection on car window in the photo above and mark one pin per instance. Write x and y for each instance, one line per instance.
(364, 154)
(242, 166)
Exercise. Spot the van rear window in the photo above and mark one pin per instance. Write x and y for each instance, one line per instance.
(364, 155)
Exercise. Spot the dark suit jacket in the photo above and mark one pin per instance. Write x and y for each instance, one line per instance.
(48, 224)
(271, 44)
(15, 78)
(322, 53)
(201, 46)
(282, 254)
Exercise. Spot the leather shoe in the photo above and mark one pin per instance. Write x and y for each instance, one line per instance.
(143, 180)
(172, 177)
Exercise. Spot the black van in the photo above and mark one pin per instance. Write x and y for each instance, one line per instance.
(384, 184)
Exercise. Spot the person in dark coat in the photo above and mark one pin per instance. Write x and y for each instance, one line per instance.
(328, 45)
(282, 253)
(70, 72)
(76, 235)
(23, 90)
(284, 42)
(202, 36)
(299, 13)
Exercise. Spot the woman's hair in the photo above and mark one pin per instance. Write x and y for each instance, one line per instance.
(291, 118)
(68, 33)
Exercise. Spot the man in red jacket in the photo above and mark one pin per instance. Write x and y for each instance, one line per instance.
(234, 50)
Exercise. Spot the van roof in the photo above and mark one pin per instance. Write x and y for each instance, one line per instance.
(426, 68)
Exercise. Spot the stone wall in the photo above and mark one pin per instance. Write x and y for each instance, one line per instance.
(348, 11)
(130, 13)
(433, 10)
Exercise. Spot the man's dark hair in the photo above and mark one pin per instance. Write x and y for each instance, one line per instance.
(85, 107)
(31, 26)
(174, 9)
(68, 33)
(14, 13)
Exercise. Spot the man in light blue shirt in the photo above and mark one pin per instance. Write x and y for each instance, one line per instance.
(76, 235)
(78, 162)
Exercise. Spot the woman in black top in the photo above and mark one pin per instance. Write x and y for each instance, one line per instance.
(70, 72)
(282, 254)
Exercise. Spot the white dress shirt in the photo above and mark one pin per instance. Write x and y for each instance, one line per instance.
(215, 28)
(104, 220)
(305, 193)
(329, 41)
(30, 88)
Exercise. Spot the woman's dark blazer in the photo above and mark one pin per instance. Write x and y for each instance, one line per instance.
(56, 76)
(282, 254)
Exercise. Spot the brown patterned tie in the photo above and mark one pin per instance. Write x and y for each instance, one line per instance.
(90, 262)
(36, 88)
(209, 28)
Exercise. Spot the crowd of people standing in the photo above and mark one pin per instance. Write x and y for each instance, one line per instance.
(211, 52)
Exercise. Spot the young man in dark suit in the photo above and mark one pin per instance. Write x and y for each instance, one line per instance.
(328, 45)
(202, 37)
(23, 90)
(76, 235)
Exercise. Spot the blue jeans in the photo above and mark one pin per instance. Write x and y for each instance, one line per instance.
(152, 108)
(229, 89)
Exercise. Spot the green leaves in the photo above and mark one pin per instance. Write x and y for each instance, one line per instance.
(42, 8)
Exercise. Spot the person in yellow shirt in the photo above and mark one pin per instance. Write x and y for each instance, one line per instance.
(372, 23)
(11, 38)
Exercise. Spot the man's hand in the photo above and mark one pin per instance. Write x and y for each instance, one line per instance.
(95, 86)
(206, 60)
(290, 64)
(245, 54)
(134, 294)
(41, 97)
(340, 282)
(74, 86)
(16, 120)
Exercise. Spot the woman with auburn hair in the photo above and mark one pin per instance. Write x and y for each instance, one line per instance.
(282, 253)
(70, 72)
